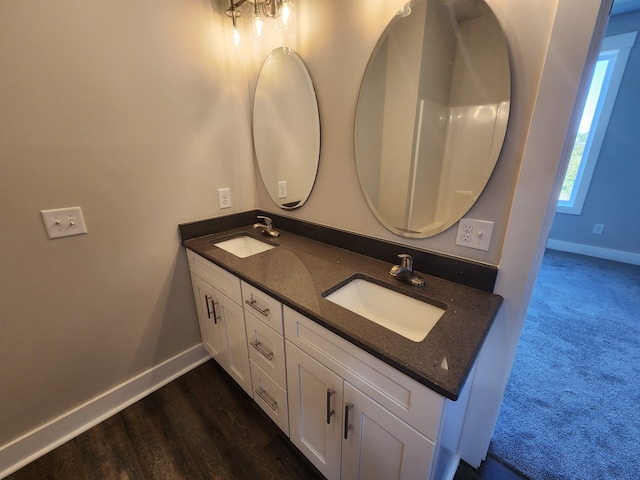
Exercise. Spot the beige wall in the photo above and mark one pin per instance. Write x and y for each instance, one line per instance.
(134, 111)
(138, 112)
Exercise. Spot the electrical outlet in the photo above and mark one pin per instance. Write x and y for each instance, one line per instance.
(282, 189)
(224, 198)
(474, 233)
(63, 222)
(598, 228)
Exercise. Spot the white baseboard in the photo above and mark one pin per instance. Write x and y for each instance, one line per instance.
(591, 251)
(45, 438)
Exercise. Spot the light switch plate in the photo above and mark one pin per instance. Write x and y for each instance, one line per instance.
(64, 222)
(474, 233)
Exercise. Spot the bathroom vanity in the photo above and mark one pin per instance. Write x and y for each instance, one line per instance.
(357, 399)
(365, 373)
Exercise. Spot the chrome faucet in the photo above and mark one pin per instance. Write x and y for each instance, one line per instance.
(404, 271)
(267, 227)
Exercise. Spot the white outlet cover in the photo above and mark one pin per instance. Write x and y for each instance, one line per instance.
(474, 233)
(282, 189)
(63, 222)
(224, 198)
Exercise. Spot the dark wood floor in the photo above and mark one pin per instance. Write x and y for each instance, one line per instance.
(200, 426)
(491, 469)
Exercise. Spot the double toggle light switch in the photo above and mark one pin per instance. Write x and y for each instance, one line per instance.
(63, 222)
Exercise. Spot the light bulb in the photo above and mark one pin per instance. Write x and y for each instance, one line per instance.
(286, 14)
(287, 19)
(257, 29)
(236, 37)
(257, 24)
(233, 13)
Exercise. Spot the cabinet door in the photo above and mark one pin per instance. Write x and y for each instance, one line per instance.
(231, 315)
(380, 446)
(210, 329)
(315, 396)
(407, 399)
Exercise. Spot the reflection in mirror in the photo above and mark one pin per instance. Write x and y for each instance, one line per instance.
(432, 114)
(286, 128)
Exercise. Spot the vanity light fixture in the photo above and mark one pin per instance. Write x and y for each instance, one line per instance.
(259, 12)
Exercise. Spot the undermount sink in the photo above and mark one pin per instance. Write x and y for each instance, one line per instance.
(244, 246)
(407, 316)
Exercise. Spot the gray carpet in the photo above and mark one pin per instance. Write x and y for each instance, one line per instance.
(572, 405)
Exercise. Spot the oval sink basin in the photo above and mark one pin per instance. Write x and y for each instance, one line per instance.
(244, 246)
(407, 316)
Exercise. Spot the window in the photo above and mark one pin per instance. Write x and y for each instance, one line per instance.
(601, 97)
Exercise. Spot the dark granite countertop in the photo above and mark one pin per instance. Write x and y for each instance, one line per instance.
(300, 269)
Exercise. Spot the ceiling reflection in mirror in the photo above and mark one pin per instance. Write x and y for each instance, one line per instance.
(286, 128)
(432, 114)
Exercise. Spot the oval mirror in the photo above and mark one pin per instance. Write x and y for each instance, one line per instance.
(432, 114)
(286, 128)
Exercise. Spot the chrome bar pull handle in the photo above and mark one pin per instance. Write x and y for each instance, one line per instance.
(330, 412)
(206, 299)
(262, 393)
(252, 303)
(266, 354)
(347, 427)
(215, 315)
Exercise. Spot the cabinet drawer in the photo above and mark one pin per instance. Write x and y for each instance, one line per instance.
(217, 277)
(264, 307)
(266, 349)
(404, 397)
(271, 397)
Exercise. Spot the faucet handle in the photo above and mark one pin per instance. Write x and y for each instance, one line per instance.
(267, 221)
(406, 261)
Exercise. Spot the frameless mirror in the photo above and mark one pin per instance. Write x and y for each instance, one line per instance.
(286, 128)
(432, 114)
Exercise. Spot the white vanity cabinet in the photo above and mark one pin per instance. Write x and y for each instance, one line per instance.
(211, 329)
(263, 317)
(315, 411)
(355, 417)
(350, 413)
(344, 433)
(218, 302)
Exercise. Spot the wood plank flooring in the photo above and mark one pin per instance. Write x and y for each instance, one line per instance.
(200, 426)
